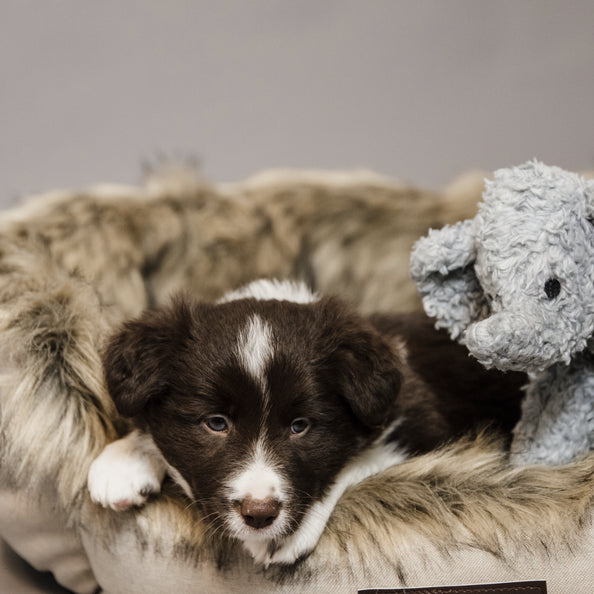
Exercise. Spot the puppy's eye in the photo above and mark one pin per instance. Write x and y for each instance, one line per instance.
(300, 426)
(217, 423)
(552, 288)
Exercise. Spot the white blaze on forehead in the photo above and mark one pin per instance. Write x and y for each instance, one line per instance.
(258, 479)
(254, 348)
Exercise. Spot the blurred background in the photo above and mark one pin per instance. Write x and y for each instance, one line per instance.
(420, 90)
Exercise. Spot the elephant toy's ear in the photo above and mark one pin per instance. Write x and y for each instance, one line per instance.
(442, 266)
(589, 192)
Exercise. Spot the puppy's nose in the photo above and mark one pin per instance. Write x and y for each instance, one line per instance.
(259, 513)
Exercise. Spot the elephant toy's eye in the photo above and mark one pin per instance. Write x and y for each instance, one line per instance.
(552, 288)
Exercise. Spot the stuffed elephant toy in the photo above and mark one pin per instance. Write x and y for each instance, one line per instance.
(516, 286)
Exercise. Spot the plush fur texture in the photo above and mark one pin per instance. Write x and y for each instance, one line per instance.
(413, 515)
(514, 284)
(76, 264)
(268, 405)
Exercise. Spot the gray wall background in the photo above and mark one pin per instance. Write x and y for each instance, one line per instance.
(420, 90)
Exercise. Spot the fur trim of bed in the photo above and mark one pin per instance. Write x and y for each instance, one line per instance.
(462, 497)
(74, 264)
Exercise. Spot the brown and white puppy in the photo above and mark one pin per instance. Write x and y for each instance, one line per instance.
(266, 406)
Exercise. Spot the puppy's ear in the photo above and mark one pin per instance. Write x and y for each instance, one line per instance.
(364, 365)
(136, 358)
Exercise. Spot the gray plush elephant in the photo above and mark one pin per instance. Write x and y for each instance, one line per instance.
(516, 286)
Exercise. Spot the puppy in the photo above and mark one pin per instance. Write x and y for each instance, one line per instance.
(266, 406)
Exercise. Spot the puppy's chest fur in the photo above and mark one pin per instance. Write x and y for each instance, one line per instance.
(267, 406)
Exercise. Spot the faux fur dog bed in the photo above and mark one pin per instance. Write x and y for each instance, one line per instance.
(75, 264)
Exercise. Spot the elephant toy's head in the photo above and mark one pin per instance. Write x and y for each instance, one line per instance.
(516, 283)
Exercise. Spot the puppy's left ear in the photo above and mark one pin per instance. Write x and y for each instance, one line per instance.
(366, 368)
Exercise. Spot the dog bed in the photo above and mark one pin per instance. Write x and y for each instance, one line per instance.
(75, 264)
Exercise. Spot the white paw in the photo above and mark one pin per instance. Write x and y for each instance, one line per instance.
(259, 550)
(291, 551)
(126, 473)
(304, 540)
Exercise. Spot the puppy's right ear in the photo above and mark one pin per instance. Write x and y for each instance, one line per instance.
(136, 359)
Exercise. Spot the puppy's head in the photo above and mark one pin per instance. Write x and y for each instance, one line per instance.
(257, 404)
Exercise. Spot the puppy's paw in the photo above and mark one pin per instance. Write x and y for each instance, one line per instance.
(289, 552)
(126, 473)
(259, 550)
(292, 550)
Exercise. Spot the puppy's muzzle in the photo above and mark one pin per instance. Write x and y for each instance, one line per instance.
(259, 513)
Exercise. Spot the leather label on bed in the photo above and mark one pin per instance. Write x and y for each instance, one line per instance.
(504, 588)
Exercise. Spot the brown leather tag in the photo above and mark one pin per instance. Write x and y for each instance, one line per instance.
(505, 588)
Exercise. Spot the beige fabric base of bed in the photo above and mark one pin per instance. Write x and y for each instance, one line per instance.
(125, 570)
(38, 532)
(122, 567)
